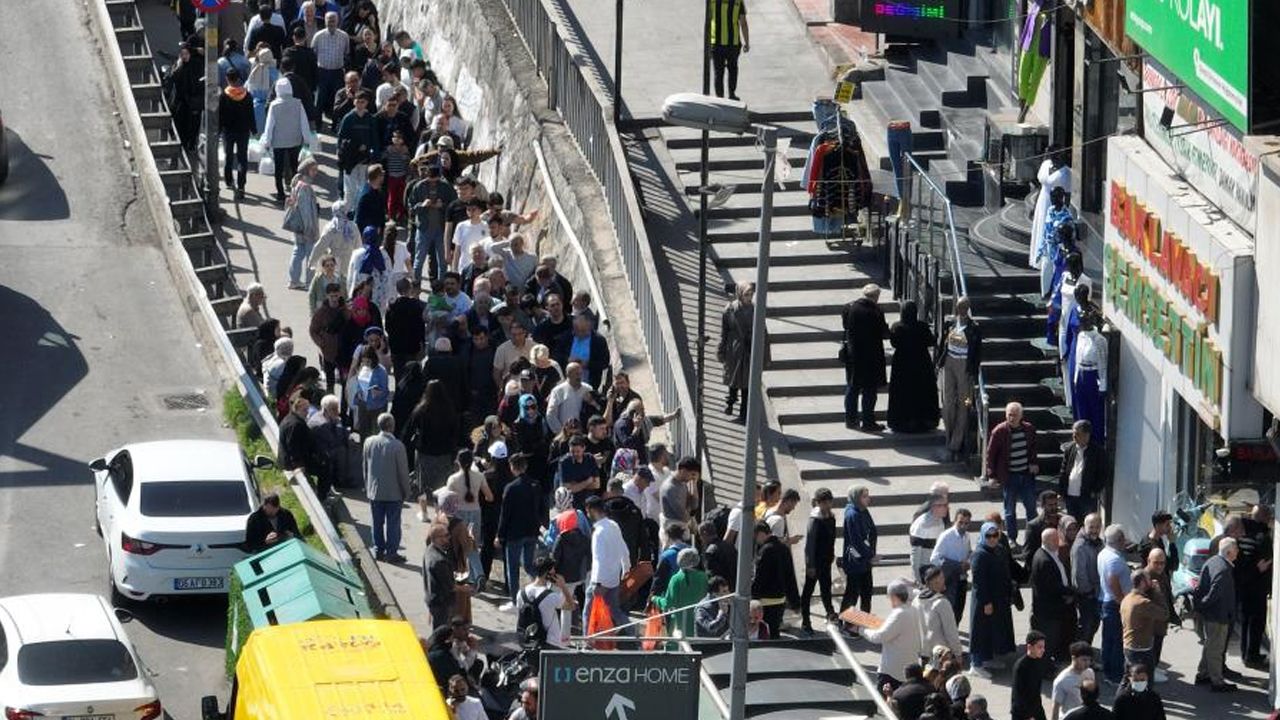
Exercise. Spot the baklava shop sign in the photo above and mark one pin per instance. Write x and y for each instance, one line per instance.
(1172, 264)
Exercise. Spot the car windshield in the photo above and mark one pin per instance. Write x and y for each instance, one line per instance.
(202, 498)
(74, 662)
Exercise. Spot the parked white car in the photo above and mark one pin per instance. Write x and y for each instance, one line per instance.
(172, 515)
(66, 655)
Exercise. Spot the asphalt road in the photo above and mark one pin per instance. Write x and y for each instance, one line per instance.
(90, 338)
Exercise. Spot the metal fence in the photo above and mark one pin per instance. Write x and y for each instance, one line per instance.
(588, 114)
(926, 253)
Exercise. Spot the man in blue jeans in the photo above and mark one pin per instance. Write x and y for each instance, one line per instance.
(427, 200)
(1114, 582)
(386, 481)
(518, 524)
(610, 561)
(1011, 465)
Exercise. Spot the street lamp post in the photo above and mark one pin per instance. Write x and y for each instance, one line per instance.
(708, 113)
(699, 398)
(617, 62)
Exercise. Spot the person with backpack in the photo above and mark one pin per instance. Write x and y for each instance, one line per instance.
(568, 540)
(541, 605)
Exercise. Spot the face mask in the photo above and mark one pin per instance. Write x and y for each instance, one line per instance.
(1139, 685)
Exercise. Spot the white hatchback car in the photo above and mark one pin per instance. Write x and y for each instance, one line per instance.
(172, 514)
(66, 656)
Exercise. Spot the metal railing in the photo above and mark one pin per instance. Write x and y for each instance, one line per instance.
(588, 115)
(864, 679)
(933, 222)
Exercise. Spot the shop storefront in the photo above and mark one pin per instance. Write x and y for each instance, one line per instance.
(1178, 285)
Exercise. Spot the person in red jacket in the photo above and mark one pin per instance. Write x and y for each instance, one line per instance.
(1011, 465)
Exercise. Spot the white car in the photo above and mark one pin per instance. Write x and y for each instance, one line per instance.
(66, 656)
(172, 514)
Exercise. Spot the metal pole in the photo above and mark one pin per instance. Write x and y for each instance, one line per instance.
(617, 62)
(699, 429)
(211, 91)
(755, 417)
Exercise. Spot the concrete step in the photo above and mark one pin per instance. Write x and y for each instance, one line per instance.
(915, 97)
(1009, 326)
(716, 163)
(904, 461)
(796, 303)
(812, 253)
(827, 409)
(989, 237)
(803, 356)
(743, 200)
(1003, 371)
(806, 383)
(1011, 349)
(840, 276)
(1027, 393)
(747, 228)
(953, 88)
(717, 140)
(888, 106)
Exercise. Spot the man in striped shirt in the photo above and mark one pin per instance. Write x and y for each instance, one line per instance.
(727, 37)
(332, 46)
(1011, 465)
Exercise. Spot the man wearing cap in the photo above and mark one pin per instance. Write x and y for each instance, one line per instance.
(427, 198)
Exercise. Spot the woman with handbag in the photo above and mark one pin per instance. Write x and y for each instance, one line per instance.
(302, 218)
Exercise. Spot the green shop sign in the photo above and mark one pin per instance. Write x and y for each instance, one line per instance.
(1204, 42)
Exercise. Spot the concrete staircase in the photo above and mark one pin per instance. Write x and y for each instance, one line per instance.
(811, 278)
(944, 93)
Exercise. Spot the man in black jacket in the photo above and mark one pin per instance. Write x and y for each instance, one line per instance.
(1083, 473)
(268, 525)
(959, 357)
(1027, 676)
(235, 117)
(268, 32)
(774, 584)
(865, 331)
(619, 508)
(444, 365)
(303, 59)
(1135, 700)
(521, 515)
(909, 698)
(1048, 518)
(437, 577)
(297, 447)
(1215, 600)
(405, 324)
(1052, 599)
(585, 346)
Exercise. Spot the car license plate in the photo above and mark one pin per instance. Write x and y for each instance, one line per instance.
(89, 717)
(198, 583)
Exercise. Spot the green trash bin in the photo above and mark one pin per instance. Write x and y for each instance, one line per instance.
(262, 566)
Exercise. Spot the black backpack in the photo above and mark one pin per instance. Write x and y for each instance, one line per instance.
(719, 517)
(529, 623)
(572, 553)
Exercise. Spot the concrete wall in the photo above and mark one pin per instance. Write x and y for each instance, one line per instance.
(474, 49)
(1143, 477)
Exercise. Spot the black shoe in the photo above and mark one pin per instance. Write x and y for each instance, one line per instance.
(1202, 680)
(872, 427)
(851, 424)
(1257, 663)
(741, 419)
(1230, 674)
(239, 193)
(379, 555)
(1225, 687)
(394, 558)
(728, 408)
(735, 98)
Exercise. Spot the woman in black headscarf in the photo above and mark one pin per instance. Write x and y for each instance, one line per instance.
(913, 389)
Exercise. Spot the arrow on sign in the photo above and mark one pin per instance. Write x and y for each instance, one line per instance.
(619, 705)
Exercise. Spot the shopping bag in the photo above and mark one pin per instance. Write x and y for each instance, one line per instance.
(653, 626)
(267, 165)
(255, 151)
(634, 581)
(600, 620)
(313, 144)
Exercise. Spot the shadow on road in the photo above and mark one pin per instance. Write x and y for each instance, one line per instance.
(32, 193)
(41, 365)
(192, 620)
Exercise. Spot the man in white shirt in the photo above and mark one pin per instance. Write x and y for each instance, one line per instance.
(777, 517)
(466, 234)
(610, 561)
(566, 399)
(1065, 696)
(643, 491)
(510, 351)
(951, 555)
(554, 600)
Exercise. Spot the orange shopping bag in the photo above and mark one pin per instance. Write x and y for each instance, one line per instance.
(653, 628)
(600, 620)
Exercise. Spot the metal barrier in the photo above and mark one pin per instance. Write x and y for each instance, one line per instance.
(588, 114)
(921, 263)
(864, 679)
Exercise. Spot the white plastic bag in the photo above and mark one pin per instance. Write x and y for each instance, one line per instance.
(267, 165)
(255, 151)
(313, 144)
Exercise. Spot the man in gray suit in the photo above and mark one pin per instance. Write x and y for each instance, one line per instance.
(386, 484)
(1215, 601)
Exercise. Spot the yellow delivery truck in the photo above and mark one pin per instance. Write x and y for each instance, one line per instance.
(350, 669)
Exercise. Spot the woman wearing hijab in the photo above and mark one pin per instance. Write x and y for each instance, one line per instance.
(305, 382)
(734, 352)
(263, 345)
(991, 616)
(340, 238)
(685, 589)
(302, 196)
(913, 388)
(184, 92)
(370, 262)
(531, 436)
(434, 432)
(262, 78)
(285, 132)
(280, 388)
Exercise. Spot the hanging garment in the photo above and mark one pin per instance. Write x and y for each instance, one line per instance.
(1089, 389)
(1052, 254)
(1049, 178)
(1067, 350)
(841, 184)
(1066, 303)
(1034, 44)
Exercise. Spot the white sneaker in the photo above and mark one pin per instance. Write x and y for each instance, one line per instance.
(507, 607)
(980, 672)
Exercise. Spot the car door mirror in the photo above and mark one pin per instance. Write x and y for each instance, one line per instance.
(98, 465)
(263, 462)
(209, 708)
(124, 616)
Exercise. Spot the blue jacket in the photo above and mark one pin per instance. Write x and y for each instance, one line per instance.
(859, 539)
(371, 208)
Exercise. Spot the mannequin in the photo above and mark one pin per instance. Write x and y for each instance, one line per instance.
(1052, 250)
(1054, 172)
(1090, 379)
(1067, 342)
(1063, 297)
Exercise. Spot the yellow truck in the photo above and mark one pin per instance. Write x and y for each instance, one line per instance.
(349, 669)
